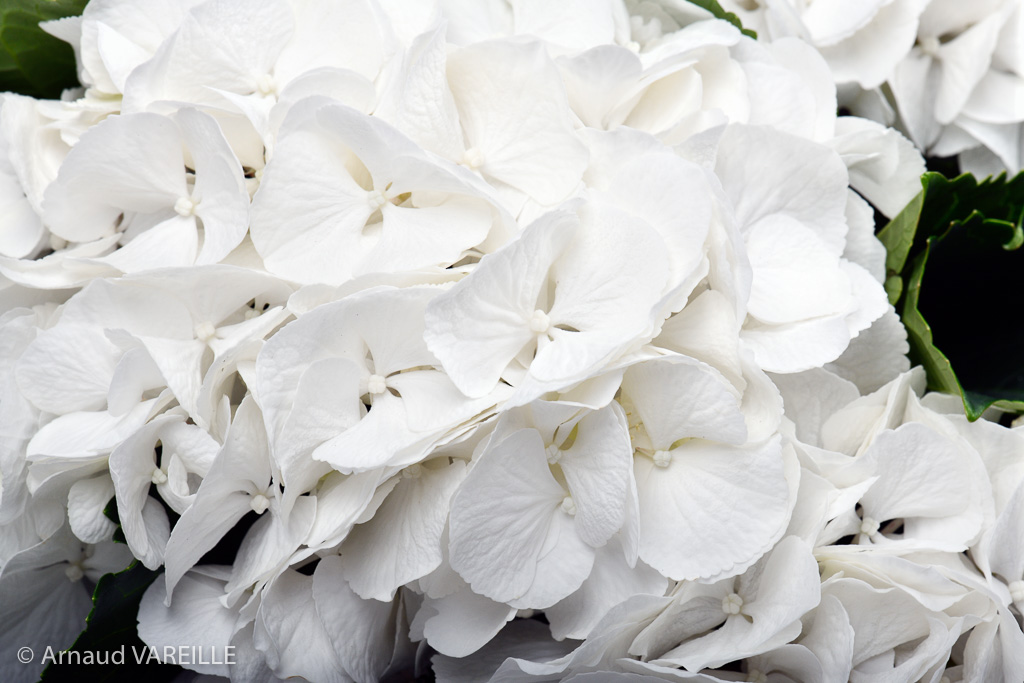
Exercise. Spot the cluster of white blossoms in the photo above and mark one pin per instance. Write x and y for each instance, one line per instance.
(541, 341)
(948, 73)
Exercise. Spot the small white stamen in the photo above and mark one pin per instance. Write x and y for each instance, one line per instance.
(185, 206)
(266, 85)
(732, 603)
(376, 384)
(205, 331)
(1017, 592)
(259, 503)
(569, 506)
(376, 199)
(412, 471)
(540, 322)
(74, 573)
(159, 476)
(756, 676)
(929, 45)
(473, 158)
(869, 527)
(258, 175)
(554, 454)
(662, 458)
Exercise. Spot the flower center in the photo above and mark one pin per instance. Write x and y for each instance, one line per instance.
(1017, 591)
(376, 199)
(732, 603)
(568, 506)
(266, 85)
(662, 458)
(376, 385)
(756, 676)
(473, 158)
(554, 454)
(205, 331)
(869, 527)
(74, 573)
(540, 322)
(159, 476)
(185, 206)
(259, 503)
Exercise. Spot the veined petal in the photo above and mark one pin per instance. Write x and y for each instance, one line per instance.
(502, 515)
(477, 327)
(401, 542)
(196, 618)
(513, 108)
(714, 510)
(597, 470)
(87, 500)
(363, 631)
(125, 163)
(68, 368)
(679, 398)
(220, 198)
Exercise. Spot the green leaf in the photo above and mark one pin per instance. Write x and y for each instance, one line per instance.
(32, 62)
(720, 13)
(962, 240)
(110, 511)
(898, 235)
(111, 627)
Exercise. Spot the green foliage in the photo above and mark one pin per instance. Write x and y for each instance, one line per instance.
(111, 627)
(32, 62)
(720, 13)
(959, 311)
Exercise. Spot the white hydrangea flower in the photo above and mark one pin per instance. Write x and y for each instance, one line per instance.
(550, 338)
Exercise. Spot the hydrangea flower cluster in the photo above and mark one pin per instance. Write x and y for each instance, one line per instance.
(508, 340)
(949, 74)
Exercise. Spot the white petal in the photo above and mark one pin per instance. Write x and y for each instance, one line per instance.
(797, 346)
(597, 469)
(713, 511)
(362, 631)
(794, 275)
(459, 624)
(68, 368)
(289, 632)
(679, 398)
(196, 618)
(478, 326)
(922, 474)
(870, 55)
(503, 519)
(419, 103)
(610, 582)
(401, 543)
(126, 163)
(222, 201)
(86, 501)
(812, 180)
(135, 374)
(513, 108)
(85, 434)
(269, 543)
